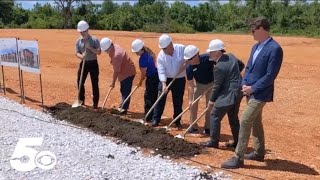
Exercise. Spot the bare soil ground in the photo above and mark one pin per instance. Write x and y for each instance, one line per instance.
(291, 122)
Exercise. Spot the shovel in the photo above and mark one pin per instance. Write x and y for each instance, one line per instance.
(79, 102)
(105, 99)
(195, 101)
(184, 134)
(116, 111)
(143, 121)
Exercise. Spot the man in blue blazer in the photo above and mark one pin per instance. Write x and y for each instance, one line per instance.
(258, 85)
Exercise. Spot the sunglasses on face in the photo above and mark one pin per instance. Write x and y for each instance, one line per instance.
(254, 29)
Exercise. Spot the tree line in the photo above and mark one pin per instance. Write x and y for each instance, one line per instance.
(298, 17)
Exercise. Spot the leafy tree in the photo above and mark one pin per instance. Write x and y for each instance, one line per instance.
(108, 7)
(20, 16)
(6, 11)
(145, 2)
(65, 6)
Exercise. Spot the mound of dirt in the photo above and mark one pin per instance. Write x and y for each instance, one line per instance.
(133, 133)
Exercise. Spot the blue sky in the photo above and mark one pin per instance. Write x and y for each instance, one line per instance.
(27, 4)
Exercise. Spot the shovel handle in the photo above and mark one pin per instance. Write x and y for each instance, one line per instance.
(159, 98)
(105, 99)
(195, 101)
(82, 70)
(129, 96)
(194, 122)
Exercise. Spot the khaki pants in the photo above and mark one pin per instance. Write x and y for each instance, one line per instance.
(251, 119)
(198, 90)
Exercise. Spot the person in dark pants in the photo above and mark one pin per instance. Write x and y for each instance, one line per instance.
(258, 85)
(170, 63)
(87, 49)
(226, 94)
(149, 73)
(123, 69)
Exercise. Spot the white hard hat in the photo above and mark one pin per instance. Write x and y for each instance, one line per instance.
(82, 26)
(105, 43)
(190, 51)
(137, 45)
(215, 45)
(164, 41)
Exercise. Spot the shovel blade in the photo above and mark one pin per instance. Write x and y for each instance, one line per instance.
(114, 111)
(142, 122)
(77, 103)
(179, 136)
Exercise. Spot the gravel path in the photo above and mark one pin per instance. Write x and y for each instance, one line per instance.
(80, 154)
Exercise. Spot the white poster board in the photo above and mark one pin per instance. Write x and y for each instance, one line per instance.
(8, 52)
(28, 53)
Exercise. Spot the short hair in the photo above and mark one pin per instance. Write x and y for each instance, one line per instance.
(258, 22)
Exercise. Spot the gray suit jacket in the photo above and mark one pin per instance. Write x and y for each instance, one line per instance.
(227, 81)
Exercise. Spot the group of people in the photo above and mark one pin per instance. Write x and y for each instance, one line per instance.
(215, 75)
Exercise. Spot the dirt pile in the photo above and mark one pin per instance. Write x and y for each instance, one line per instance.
(133, 133)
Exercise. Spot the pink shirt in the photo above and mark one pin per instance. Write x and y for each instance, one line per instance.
(122, 63)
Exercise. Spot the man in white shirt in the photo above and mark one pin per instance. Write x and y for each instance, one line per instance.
(170, 62)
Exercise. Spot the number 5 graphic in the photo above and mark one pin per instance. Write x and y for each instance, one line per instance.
(22, 149)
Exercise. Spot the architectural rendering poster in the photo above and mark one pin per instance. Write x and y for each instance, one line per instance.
(8, 52)
(28, 53)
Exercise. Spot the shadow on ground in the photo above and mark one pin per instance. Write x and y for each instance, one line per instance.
(285, 165)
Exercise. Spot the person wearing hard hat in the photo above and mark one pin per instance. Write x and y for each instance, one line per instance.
(258, 85)
(149, 73)
(170, 63)
(87, 49)
(200, 78)
(123, 69)
(226, 93)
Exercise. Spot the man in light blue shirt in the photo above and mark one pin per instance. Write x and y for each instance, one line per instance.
(170, 64)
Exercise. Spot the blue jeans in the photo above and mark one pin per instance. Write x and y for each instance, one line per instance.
(125, 89)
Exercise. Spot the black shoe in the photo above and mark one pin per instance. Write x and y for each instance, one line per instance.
(231, 145)
(210, 144)
(233, 163)
(179, 125)
(206, 132)
(154, 123)
(254, 156)
(95, 108)
(193, 130)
